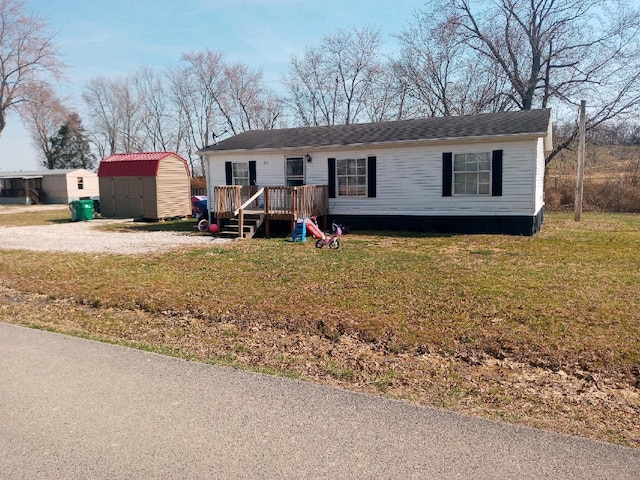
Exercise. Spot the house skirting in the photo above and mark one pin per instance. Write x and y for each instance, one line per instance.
(477, 224)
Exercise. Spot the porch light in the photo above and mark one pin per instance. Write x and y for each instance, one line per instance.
(307, 157)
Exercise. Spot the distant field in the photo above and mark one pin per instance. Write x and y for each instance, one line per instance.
(611, 179)
(542, 330)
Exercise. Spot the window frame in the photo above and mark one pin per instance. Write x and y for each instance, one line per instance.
(482, 188)
(80, 181)
(294, 180)
(358, 181)
(239, 179)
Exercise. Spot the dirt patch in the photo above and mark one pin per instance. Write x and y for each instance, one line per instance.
(86, 237)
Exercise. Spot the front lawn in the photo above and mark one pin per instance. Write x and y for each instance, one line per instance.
(541, 330)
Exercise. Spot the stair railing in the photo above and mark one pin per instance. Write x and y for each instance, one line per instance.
(240, 211)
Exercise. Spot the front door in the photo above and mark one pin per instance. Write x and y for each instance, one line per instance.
(294, 171)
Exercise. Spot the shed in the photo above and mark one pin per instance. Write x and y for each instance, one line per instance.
(48, 186)
(465, 174)
(147, 185)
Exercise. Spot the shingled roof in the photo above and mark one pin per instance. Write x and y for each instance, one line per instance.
(523, 122)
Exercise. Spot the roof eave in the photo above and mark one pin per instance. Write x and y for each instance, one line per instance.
(421, 141)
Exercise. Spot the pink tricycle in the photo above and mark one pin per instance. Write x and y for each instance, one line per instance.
(333, 239)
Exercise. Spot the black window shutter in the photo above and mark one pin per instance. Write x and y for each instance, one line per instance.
(228, 170)
(332, 177)
(496, 173)
(371, 177)
(447, 173)
(252, 173)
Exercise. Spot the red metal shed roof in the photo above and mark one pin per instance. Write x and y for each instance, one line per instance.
(142, 164)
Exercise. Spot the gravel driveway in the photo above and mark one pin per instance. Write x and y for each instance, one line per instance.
(85, 237)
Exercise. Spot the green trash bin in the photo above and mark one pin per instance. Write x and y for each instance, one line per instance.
(86, 207)
(74, 206)
(81, 210)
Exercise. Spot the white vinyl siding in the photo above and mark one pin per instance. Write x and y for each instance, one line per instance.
(409, 182)
(539, 178)
(408, 178)
(63, 188)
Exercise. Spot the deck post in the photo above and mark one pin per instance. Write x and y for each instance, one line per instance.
(266, 213)
(293, 207)
(325, 195)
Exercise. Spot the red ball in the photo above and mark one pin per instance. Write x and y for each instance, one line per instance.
(213, 228)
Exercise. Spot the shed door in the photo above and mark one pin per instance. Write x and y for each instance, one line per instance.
(134, 197)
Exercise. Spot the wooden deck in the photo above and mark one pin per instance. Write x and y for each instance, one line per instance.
(269, 203)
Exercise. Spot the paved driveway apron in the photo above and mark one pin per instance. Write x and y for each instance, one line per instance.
(77, 409)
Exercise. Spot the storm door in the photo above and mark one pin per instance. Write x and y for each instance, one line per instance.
(294, 171)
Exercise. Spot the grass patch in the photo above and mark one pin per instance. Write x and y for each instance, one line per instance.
(409, 316)
(566, 297)
(41, 217)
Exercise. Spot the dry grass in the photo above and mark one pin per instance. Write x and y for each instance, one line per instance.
(23, 218)
(611, 179)
(542, 331)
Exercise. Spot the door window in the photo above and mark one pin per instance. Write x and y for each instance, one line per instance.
(294, 171)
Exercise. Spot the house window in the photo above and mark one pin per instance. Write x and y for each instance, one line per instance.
(80, 183)
(295, 171)
(472, 174)
(352, 177)
(240, 173)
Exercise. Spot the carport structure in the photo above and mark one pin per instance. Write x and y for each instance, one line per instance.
(20, 188)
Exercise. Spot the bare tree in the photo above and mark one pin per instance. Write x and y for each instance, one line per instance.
(197, 106)
(246, 104)
(128, 106)
(334, 82)
(43, 115)
(115, 110)
(159, 116)
(100, 98)
(443, 76)
(387, 99)
(312, 90)
(28, 57)
(239, 94)
(215, 98)
(555, 52)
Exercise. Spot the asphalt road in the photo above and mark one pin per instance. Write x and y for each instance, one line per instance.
(77, 409)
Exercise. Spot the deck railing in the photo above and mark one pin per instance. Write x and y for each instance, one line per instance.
(277, 202)
(229, 198)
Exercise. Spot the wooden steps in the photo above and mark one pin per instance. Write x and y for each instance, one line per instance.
(252, 222)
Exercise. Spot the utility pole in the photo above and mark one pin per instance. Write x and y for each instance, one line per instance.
(580, 181)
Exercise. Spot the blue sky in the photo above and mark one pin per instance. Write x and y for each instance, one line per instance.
(113, 38)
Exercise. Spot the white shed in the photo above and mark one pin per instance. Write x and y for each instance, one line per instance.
(48, 186)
